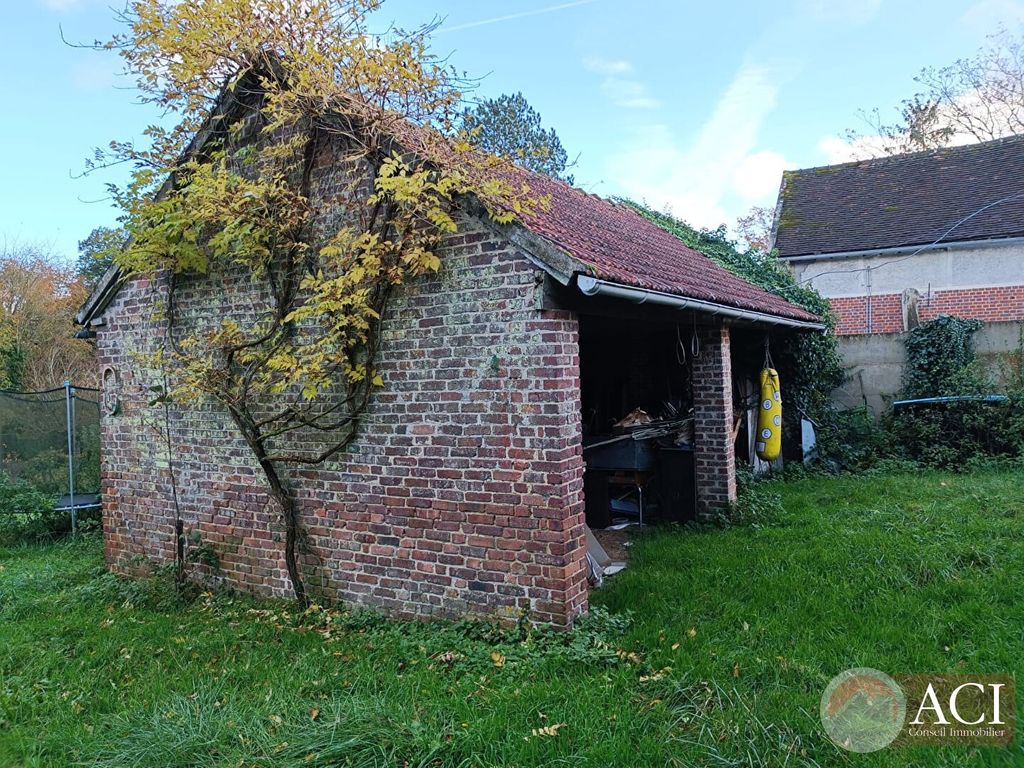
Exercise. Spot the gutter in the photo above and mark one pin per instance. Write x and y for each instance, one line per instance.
(592, 286)
(958, 245)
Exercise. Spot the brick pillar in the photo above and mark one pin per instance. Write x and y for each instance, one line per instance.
(714, 453)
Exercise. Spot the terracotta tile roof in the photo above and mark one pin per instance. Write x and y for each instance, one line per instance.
(612, 241)
(607, 240)
(904, 200)
(617, 244)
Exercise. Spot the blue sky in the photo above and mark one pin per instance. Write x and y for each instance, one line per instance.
(694, 107)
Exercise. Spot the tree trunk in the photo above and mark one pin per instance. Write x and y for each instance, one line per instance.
(280, 494)
(290, 512)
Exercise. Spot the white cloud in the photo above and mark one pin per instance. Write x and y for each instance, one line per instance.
(608, 67)
(511, 16)
(621, 89)
(836, 149)
(985, 16)
(61, 5)
(695, 180)
(758, 175)
(630, 94)
(990, 117)
(655, 169)
(843, 11)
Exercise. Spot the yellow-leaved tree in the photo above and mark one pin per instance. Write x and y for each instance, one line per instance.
(262, 92)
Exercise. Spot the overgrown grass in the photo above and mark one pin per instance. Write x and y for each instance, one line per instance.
(733, 636)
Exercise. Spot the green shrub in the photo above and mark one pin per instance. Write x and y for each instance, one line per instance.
(758, 502)
(956, 435)
(25, 513)
(848, 440)
(949, 435)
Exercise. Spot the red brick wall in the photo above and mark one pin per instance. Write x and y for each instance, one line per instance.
(852, 314)
(463, 494)
(714, 451)
(989, 304)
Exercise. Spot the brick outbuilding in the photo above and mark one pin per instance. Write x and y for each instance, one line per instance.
(464, 493)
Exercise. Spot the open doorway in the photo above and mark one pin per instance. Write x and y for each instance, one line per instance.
(636, 397)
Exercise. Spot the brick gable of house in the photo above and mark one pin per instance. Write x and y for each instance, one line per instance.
(462, 495)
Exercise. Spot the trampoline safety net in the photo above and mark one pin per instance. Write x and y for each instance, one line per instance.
(34, 445)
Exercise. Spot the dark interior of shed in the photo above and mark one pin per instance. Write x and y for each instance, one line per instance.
(635, 382)
(628, 364)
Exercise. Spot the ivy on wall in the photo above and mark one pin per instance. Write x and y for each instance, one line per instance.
(940, 354)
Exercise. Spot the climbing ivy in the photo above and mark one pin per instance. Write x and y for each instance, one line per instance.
(940, 355)
(809, 362)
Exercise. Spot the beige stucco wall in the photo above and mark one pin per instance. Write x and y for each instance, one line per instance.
(956, 268)
(875, 362)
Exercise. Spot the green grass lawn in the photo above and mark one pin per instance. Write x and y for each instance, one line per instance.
(733, 636)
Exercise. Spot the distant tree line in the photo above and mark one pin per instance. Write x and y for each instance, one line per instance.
(39, 296)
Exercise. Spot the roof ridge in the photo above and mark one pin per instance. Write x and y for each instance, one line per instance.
(916, 198)
(901, 156)
(596, 233)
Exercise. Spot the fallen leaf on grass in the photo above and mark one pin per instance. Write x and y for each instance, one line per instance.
(548, 731)
(498, 659)
(692, 632)
(314, 713)
(655, 675)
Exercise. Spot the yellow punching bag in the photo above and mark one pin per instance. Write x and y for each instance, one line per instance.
(769, 417)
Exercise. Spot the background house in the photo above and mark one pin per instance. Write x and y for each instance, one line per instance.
(464, 492)
(898, 240)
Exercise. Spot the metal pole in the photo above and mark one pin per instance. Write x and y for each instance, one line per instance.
(69, 396)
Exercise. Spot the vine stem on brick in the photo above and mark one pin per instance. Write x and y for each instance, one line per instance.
(279, 492)
(335, 423)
